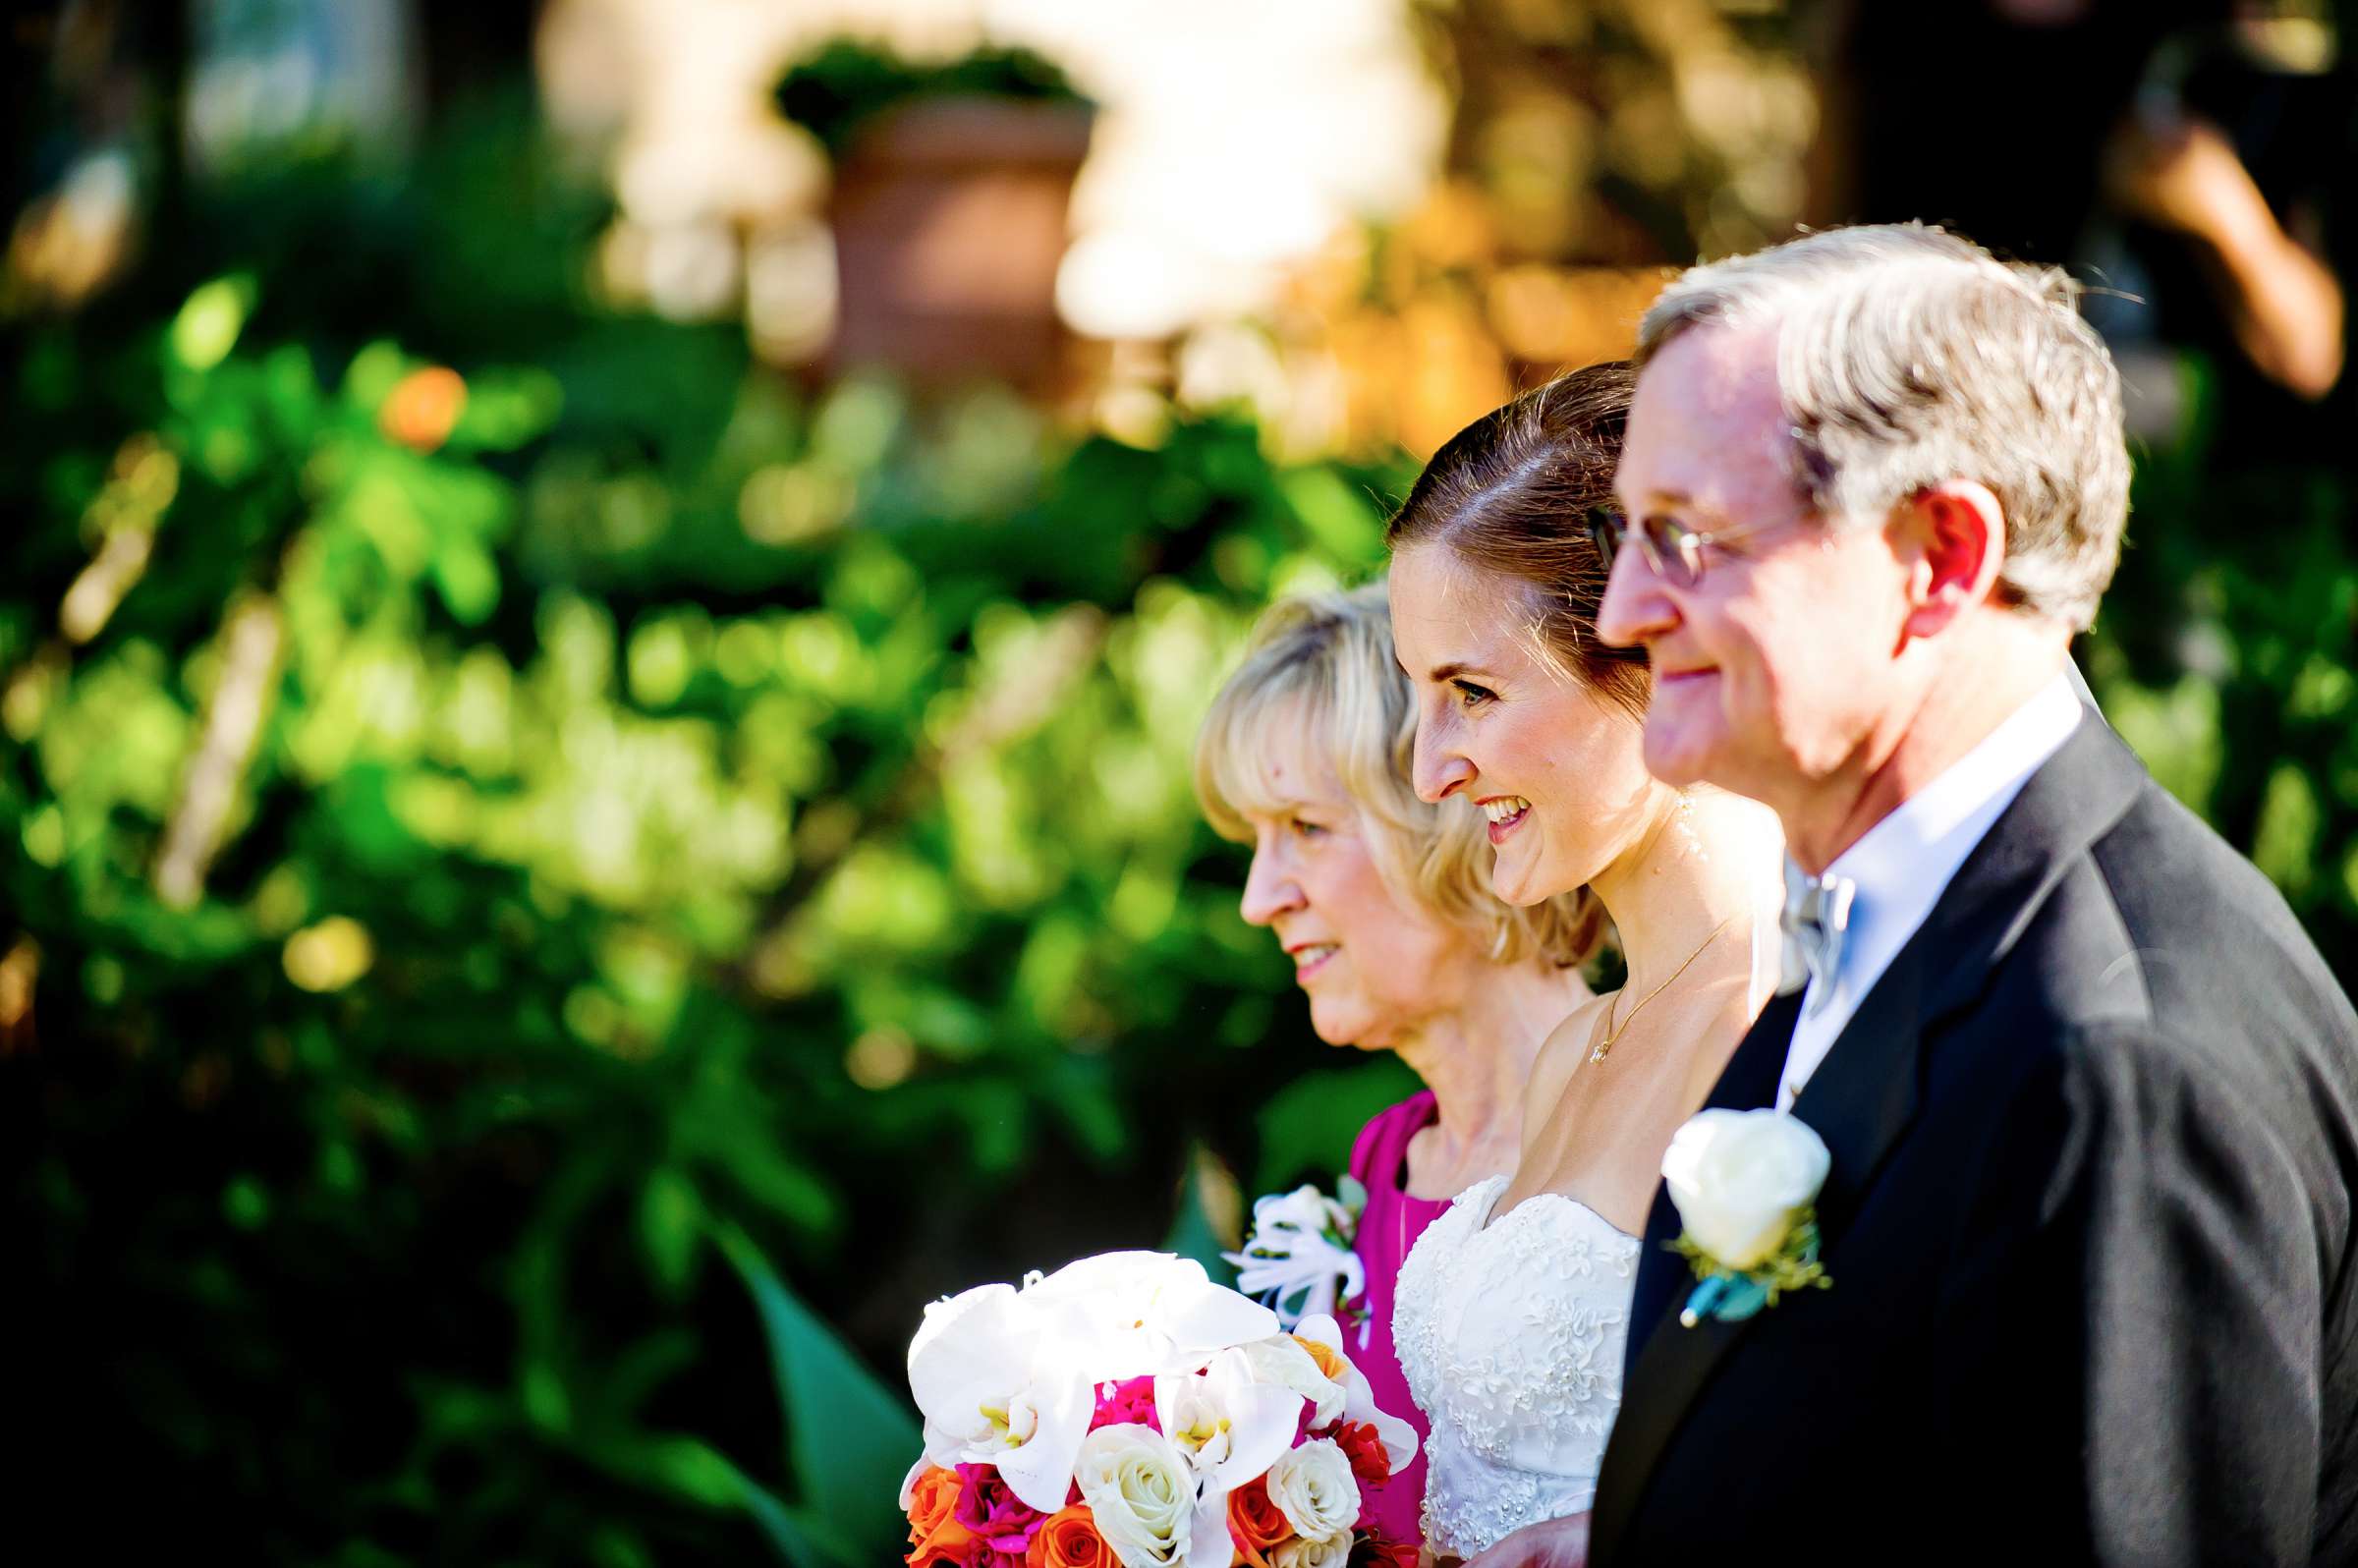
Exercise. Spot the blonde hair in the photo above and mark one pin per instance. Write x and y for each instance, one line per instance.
(1320, 668)
(1907, 356)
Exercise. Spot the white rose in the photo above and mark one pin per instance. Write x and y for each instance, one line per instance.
(1739, 1179)
(1313, 1486)
(1333, 1552)
(1141, 1491)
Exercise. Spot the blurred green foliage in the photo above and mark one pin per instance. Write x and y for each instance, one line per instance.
(2228, 655)
(570, 882)
(499, 832)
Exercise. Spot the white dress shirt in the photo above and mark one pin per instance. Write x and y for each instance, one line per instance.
(1903, 864)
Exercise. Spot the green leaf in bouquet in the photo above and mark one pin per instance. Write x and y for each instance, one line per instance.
(849, 1439)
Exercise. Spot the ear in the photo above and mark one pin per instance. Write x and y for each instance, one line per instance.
(1951, 539)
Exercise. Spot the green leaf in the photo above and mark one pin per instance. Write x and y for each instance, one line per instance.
(1343, 521)
(849, 1439)
(1307, 1127)
(803, 1541)
(668, 1214)
(467, 579)
(1195, 1232)
(208, 324)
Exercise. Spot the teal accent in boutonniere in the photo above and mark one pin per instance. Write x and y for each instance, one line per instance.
(1732, 1295)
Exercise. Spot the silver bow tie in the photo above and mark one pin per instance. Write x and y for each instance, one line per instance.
(1816, 919)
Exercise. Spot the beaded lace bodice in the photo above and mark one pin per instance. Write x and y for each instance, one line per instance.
(1511, 1335)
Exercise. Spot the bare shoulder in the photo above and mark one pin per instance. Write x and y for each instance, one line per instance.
(1718, 1042)
(1560, 1056)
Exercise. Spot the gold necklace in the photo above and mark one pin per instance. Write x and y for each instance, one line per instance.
(1613, 1035)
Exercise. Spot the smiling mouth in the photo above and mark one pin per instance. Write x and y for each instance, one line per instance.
(1506, 814)
(1310, 958)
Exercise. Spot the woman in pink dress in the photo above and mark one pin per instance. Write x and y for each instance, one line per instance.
(1383, 902)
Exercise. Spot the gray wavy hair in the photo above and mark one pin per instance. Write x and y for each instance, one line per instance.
(1907, 356)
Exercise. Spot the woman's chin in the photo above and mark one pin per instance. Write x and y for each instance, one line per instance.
(1522, 885)
(1346, 1031)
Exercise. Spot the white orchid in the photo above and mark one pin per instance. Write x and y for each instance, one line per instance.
(1124, 1315)
(1280, 1360)
(1359, 1396)
(987, 1377)
(1230, 1427)
(1008, 1377)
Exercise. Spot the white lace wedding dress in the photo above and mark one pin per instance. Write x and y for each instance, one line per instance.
(1512, 1333)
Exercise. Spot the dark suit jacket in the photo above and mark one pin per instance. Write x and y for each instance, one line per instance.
(2095, 1140)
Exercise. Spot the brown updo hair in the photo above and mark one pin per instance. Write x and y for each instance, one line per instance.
(1511, 494)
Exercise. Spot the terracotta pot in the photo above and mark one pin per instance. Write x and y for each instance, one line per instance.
(949, 219)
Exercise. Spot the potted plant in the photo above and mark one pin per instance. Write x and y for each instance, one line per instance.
(951, 186)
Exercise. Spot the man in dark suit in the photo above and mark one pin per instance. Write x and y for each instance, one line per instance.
(2091, 1095)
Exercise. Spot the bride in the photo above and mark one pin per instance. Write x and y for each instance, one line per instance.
(1512, 1312)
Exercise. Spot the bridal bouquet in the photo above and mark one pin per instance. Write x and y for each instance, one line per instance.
(1126, 1410)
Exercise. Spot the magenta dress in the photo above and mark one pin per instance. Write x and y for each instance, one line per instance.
(1387, 1229)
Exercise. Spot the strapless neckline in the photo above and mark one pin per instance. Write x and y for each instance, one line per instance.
(1512, 1333)
(1491, 1218)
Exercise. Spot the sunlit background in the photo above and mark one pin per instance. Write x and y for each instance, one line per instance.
(605, 607)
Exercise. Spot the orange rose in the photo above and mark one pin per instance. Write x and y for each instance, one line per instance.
(1069, 1538)
(933, 1527)
(1256, 1524)
(1331, 1361)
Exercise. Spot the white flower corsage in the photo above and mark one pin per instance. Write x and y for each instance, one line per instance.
(1298, 1261)
(1746, 1187)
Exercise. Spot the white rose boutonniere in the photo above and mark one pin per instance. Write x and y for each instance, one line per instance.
(1746, 1185)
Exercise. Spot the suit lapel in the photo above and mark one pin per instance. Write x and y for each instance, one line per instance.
(1862, 1097)
(1748, 1082)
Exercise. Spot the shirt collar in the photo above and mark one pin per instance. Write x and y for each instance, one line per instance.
(1904, 863)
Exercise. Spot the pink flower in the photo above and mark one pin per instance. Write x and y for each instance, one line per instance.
(1001, 1521)
(1302, 1426)
(1131, 1400)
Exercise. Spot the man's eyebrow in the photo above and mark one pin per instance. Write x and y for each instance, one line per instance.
(1683, 501)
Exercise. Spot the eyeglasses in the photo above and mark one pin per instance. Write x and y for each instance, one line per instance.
(1672, 550)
